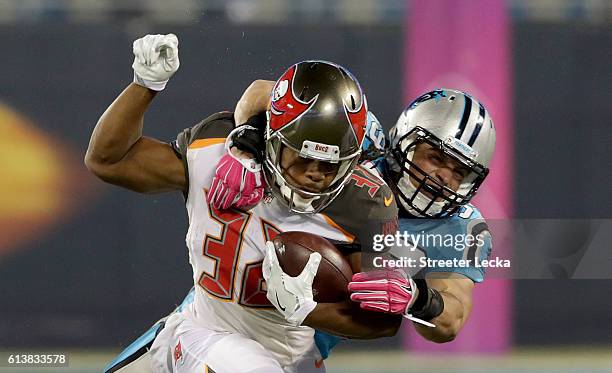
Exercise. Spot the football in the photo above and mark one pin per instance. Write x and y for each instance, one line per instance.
(330, 284)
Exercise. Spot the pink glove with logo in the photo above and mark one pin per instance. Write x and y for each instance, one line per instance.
(387, 290)
(237, 183)
(384, 291)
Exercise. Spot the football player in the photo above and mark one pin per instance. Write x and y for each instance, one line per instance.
(438, 157)
(440, 150)
(312, 146)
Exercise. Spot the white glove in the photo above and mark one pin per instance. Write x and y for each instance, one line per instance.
(156, 59)
(292, 296)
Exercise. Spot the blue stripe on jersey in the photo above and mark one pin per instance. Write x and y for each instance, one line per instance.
(144, 342)
(136, 349)
(188, 300)
(325, 342)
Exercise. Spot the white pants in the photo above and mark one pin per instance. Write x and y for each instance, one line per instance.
(185, 347)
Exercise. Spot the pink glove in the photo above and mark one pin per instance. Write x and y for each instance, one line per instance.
(383, 291)
(237, 183)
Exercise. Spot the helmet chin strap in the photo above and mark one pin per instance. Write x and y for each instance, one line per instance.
(304, 204)
(420, 201)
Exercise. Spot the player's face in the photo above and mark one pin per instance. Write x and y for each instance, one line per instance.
(441, 167)
(309, 174)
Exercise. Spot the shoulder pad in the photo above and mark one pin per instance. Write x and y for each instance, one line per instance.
(218, 125)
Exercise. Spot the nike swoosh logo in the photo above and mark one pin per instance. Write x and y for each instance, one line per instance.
(388, 201)
(407, 289)
(278, 302)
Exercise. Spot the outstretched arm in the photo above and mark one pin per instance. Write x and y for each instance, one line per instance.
(117, 152)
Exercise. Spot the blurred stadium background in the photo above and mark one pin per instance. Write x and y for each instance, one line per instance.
(86, 267)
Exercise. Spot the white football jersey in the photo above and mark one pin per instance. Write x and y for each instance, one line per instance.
(226, 248)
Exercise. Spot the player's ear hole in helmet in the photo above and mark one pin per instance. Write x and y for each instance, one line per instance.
(441, 147)
(318, 111)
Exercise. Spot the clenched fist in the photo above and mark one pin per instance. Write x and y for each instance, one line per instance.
(156, 59)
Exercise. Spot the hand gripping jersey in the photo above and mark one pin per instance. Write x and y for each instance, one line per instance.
(226, 248)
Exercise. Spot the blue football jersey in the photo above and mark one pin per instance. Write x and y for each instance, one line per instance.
(441, 239)
(463, 236)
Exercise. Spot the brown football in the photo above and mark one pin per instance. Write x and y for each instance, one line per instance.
(330, 284)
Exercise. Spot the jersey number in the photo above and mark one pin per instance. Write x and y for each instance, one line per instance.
(225, 251)
(368, 182)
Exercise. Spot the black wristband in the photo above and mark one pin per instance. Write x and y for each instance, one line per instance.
(429, 303)
(251, 140)
(258, 121)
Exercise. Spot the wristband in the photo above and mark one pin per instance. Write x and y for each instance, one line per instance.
(429, 304)
(249, 136)
(250, 140)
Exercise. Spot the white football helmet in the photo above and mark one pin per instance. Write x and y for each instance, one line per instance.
(453, 122)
